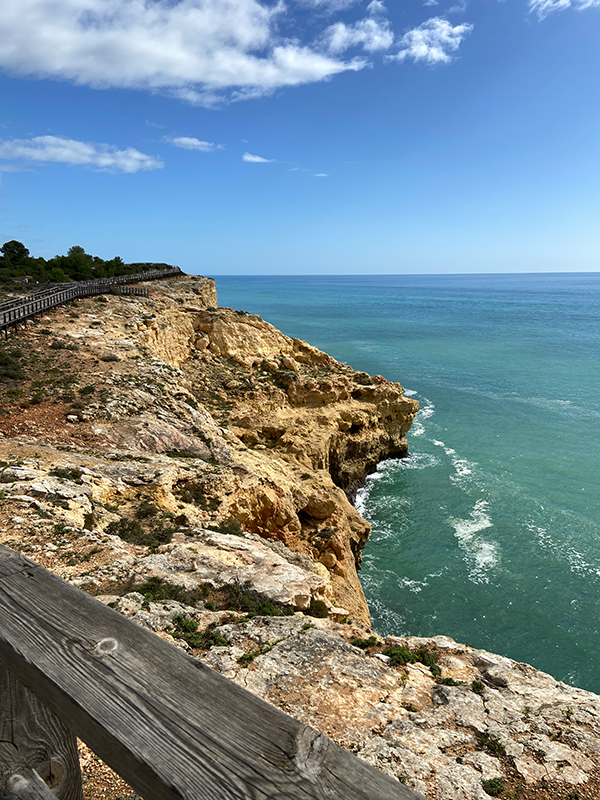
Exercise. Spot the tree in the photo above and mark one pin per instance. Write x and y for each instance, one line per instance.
(14, 252)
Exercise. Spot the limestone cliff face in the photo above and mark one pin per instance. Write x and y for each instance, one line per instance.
(309, 428)
(261, 429)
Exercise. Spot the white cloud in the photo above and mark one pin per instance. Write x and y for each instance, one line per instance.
(431, 3)
(57, 149)
(329, 5)
(191, 143)
(376, 7)
(458, 8)
(544, 7)
(256, 159)
(321, 175)
(432, 42)
(197, 50)
(372, 34)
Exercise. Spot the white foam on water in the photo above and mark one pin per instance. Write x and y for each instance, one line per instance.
(462, 467)
(386, 470)
(418, 461)
(577, 561)
(481, 555)
(410, 392)
(427, 409)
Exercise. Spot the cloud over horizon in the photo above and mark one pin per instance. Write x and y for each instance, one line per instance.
(60, 150)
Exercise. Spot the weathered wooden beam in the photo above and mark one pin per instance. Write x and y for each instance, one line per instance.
(32, 738)
(170, 726)
(17, 780)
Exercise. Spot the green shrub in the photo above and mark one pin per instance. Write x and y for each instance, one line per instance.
(372, 641)
(155, 590)
(131, 531)
(10, 369)
(493, 786)
(318, 608)
(229, 526)
(181, 454)
(491, 743)
(401, 655)
(146, 510)
(186, 629)
(67, 473)
(478, 687)
(110, 357)
(241, 597)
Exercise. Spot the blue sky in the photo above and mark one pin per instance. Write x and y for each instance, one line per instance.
(304, 136)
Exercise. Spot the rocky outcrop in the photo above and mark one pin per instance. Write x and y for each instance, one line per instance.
(192, 466)
(218, 416)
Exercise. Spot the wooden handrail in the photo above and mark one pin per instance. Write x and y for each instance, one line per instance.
(169, 725)
(15, 311)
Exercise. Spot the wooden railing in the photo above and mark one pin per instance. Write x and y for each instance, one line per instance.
(169, 725)
(23, 308)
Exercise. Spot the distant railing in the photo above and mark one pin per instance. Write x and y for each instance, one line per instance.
(23, 308)
(169, 725)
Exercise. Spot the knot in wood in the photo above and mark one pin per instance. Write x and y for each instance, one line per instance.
(105, 647)
(311, 748)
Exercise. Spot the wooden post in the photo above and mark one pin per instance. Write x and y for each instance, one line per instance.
(37, 752)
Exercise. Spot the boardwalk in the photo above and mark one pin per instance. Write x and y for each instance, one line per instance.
(23, 308)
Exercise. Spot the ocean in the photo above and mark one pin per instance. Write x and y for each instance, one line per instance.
(490, 531)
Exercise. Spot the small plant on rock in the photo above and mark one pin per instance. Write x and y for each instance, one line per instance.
(493, 787)
(372, 641)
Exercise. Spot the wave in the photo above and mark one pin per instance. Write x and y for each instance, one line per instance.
(462, 467)
(481, 555)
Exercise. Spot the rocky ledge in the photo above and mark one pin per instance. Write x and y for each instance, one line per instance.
(192, 467)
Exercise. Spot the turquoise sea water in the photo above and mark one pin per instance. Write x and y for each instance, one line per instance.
(490, 532)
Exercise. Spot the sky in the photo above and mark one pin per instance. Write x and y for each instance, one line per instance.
(304, 136)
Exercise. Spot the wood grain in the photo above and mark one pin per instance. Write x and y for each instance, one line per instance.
(169, 725)
(33, 738)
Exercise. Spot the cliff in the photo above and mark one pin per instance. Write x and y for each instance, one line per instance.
(192, 466)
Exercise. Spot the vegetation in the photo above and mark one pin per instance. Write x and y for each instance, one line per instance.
(10, 368)
(372, 641)
(399, 656)
(186, 629)
(156, 590)
(131, 530)
(229, 526)
(241, 597)
(16, 263)
(491, 743)
(493, 786)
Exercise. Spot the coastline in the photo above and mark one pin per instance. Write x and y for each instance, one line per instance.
(201, 417)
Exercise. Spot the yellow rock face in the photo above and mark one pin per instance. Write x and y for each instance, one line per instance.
(256, 428)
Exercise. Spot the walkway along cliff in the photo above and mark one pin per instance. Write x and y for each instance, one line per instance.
(191, 466)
